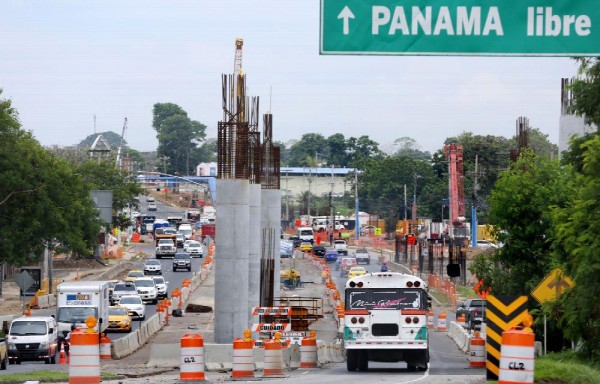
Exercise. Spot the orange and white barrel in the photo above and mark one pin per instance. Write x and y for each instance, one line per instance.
(517, 356)
(476, 351)
(191, 366)
(105, 348)
(430, 318)
(441, 322)
(84, 358)
(273, 359)
(243, 359)
(308, 353)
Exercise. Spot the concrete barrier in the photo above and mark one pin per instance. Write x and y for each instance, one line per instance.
(165, 355)
(321, 352)
(460, 336)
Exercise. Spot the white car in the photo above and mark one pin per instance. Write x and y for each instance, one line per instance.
(150, 199)
(194, 248)
(186, 230)
(161, 286)
(146, 289)
(486, 244)
(135, 306)
(152, 266)
(186, 243)
(151, 206)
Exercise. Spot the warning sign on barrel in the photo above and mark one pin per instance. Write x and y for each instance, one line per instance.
(271, 327)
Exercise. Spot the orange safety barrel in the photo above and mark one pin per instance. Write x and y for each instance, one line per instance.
(477, 352)
(441, 322)
(84, 358)
(308, 353)
(517, 356)
(105, 348)
(243, 359)
(273, 359)
(192, 357)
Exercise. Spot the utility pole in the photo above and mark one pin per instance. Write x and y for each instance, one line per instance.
(357, 218)
(309, 189)
(473, 207)
(287, 198)
(331, 209)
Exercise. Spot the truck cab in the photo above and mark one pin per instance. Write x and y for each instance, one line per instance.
(33, 338)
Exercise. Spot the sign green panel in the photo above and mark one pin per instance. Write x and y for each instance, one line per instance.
(460, 27)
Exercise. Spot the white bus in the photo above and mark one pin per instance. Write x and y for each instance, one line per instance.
(386, 320)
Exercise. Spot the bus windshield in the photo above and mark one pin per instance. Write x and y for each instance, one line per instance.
(385, 298)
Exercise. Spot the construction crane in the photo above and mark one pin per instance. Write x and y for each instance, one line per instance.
(454, 154)
(119, 164)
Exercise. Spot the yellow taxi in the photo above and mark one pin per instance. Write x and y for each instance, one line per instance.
(306, 246)
(118, 319)
(134, 274)
(356, 271)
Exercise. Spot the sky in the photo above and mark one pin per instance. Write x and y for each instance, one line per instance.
(62, 62)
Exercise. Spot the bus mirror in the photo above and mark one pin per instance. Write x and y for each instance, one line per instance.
(428, 302)
(453, 270)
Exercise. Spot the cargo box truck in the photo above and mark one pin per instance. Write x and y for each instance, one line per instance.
(78, 300)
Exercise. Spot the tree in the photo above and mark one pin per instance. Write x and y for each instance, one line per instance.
(43, 201)
(306, 151)
(408, 147)
(520, 210)
(538, 141)
(337, 147)
(105, 176)
(586, 95)
(361, 149)
(178, 136)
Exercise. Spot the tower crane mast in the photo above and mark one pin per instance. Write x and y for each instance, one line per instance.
(454, 154)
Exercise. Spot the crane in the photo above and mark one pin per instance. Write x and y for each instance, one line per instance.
(454, 154)
(119, 165)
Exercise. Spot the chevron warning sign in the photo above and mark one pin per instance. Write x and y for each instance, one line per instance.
(502, 313)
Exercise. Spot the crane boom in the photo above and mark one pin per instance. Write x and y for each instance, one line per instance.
(119, 165)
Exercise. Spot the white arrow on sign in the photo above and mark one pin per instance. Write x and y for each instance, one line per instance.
(346, 14)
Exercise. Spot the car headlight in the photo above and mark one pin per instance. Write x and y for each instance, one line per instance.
(43, 345)
(12, 346)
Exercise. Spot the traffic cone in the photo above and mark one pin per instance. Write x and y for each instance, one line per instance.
(63, 358)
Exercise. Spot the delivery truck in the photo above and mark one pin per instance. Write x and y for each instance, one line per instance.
(78, 300)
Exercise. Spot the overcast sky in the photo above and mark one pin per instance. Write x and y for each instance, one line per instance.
(61, 62)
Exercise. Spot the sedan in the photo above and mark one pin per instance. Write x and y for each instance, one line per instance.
(306, 246)
(161, 286)
(356, 271)
(152, 266)
(118, 319)
(331, 256)
(135, 306)
(194, 248)
(151, 206)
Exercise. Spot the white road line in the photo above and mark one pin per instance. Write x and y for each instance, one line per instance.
(425, 375)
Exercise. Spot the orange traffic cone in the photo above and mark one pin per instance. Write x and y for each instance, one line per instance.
(63, 358)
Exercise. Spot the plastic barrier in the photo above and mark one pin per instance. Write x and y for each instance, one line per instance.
(84, 360)
(192, 357)
(273, 359)
(243, 359)
(517, 356)
(441, 322)
(308, 353)
(105, 348)
(460, 336)
(477, 352)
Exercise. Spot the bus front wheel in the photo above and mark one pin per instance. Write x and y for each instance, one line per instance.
(351, 360)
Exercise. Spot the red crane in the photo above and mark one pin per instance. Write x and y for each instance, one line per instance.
(454, 154)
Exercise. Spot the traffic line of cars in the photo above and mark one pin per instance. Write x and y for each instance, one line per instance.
(128, 298)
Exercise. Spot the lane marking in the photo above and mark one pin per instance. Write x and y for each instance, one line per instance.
(425, 375)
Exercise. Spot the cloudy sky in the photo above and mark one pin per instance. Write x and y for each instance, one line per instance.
(62, 62)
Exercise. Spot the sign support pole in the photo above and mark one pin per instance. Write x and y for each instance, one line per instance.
(545, 336)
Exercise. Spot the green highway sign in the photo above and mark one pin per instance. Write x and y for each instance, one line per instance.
(460, 27)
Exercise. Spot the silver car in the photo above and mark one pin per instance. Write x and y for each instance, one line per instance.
(152, 267)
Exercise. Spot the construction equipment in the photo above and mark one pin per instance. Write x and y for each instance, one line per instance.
(119, 160)
(454, 154)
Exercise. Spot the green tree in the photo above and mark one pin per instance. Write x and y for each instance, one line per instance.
(306, 151)
(104, 176)
(408, 147)
(578, 247)
(337, 147)
(178, 137)
(520, 207)
(43, 201)
(361, 149)
(586, 94)
(538, 141)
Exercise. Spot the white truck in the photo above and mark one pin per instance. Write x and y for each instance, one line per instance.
(341, 247)
(165, 248)
(362, 256)
(78, 300)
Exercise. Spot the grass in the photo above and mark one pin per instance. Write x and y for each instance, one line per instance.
(441, 298)
(46, 376)
(567, 368)
(464, 291)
